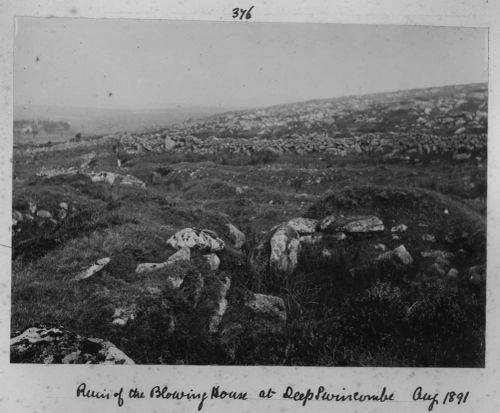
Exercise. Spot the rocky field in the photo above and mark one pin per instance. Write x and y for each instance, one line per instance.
(341, 232)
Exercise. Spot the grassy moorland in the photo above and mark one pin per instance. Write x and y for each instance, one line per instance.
(342, 310)
(344, 306)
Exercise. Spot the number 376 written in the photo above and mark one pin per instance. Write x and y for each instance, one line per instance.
(242, 13)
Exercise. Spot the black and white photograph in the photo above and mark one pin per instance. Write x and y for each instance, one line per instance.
(233, 193)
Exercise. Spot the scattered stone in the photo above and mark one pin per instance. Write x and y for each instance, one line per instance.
(221, 306)
(237, 236)
(313, 239)
(112, 178)
(87, 159)
(121, 316)
(477, 274)
(339, 236)
(399, 255)
(175, 282)
(328, 222)
(396, 237)
(50, 173)
(62, 213)
(191, 238)
(379, 246)
(399, 228)
(56, 345)
(438, 254)
(129, 180)
(106, 177)
(303, 226)
(437, 269)
(17, 216)
(32, 207)
(326, 253)
(213, 261)
(335, 223)
(428, 238)
(149, 267)
(169, 143)
(42, 213)
(184, 254)
(285, 246)
(461, 156)
(93, 269)
(363, 224)
(269, 305)
(452, 273)
(120, 322)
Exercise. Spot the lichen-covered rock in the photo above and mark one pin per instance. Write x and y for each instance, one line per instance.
(268, 305)
(359, 223)
(184, 254)
(195, 238)
(428, 238)
(326, 223)
(113, 178)
(122, 315)
(146, 267)
(399, 255)
(106, 177)
(216, 318)
(93, 269)
(399, 228)
(285, 246)
(303, 226)
(129, 180)
(42, 213)
(362, 224)
(213, 261)
(237, 236)
(437, 254)
(312, 239)
(56, 345)
(339, 236)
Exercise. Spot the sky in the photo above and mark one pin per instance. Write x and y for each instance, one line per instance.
(145, 64)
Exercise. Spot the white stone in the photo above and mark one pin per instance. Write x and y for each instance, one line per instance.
(399, 228)
(285, 246)
(190, 238)
(221, 307)
(93, 269)
(184, 254)
(213, 261)
(268, 304)
(238, 237)
(399, 254)
(303, 226)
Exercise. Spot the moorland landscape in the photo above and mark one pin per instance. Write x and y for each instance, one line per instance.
(336, 232)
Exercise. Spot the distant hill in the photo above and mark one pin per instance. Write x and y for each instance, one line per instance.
(92, 121)
(442, 111)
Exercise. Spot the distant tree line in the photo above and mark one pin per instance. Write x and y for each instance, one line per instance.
(35, 127)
